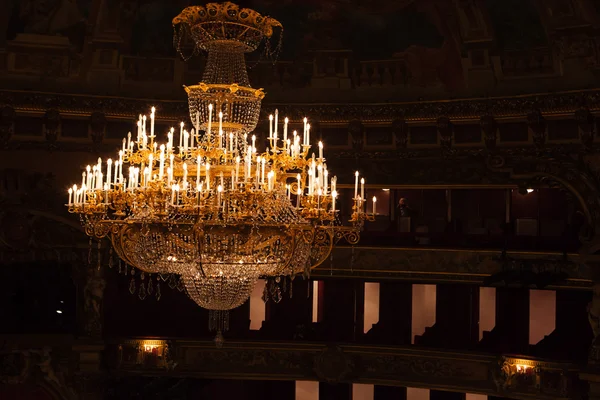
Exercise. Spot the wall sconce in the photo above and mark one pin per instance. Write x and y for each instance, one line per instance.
(530, 190)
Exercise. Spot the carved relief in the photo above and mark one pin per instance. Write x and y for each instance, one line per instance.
(537, 126)
(446, 132)
(356, 130)
(97, 127)
(7, 118)
(51, 125)
(333, 365)
(400, 130)
(490, 131)
(587, 129)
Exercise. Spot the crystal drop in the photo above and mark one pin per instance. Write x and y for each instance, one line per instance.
(265, 295)
(110, 260)
(219, 340)
(172, 282)
(142, 292)
(158, 292)
(150, 287)
(132, 286)
(132, 271)
(120, 265)
(142, 275)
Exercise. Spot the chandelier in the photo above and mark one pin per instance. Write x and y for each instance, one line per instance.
(209, 204)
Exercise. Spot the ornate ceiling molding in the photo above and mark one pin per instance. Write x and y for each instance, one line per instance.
(499, 107)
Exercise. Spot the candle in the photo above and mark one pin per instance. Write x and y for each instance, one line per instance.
(307, 134)
(82, 179)
(232, 179)
(192, 133)
(362, 188)
(185, 140)
(276, 123)
(220, 121)
(108, 170)
(92, 185)
(210, 107)
(152, 123)
(271, 126)
(263, 171)
(139, 130)
(180, 136)
(124, 144)
(285, 128)
(207, 175)
(356, 184)
(161, 166)
(299, 186)
(70, 196)
(374, 204)
(253, 141)
(320, 150)
(173, 195)
(128, 141)
(170, 140)
(171, 157)
(304, 141)
(231, 143)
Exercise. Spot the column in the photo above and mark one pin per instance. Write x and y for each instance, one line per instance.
(330, 391)
(390, 392)
(511, 333)
(292, 316)
(342, 310)
(395, 314)
(457, 312)
(443, 395)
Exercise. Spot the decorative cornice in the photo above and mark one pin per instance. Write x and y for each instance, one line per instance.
(448, 265)
(420, 111)
(386, 365)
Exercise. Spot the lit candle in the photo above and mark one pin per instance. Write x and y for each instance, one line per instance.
(210, 108)
(170, 140)
(70, 196)
(116, 173)
(192, 134)
(124, 144)
(185, 140)
(232, 179)
(276, 123)
(299, 186)
(161, 167)
(271, 126)
(253, 141)
(307, 134)
(207, 176)
(93, 182)
(304, 141)
(82, 179)
(220, 121)
(285, 128)
(321, 150)
(262, 179)
(152, 123)
(143, 125)
(356, 184)
(374, 205)
(231, 143)
(171, 157)
(128, 141)
(139, 130)
(108, 170)
(180, 136)
(362, 188)
(173, 195)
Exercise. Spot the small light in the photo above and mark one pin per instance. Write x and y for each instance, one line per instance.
(62, 302)
(58, 311)
(530, 190)
(386, 190)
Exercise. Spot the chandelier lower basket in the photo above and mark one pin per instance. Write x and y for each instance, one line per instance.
(219, 292)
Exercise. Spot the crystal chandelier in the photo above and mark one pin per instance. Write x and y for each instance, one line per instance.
(207, 204)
